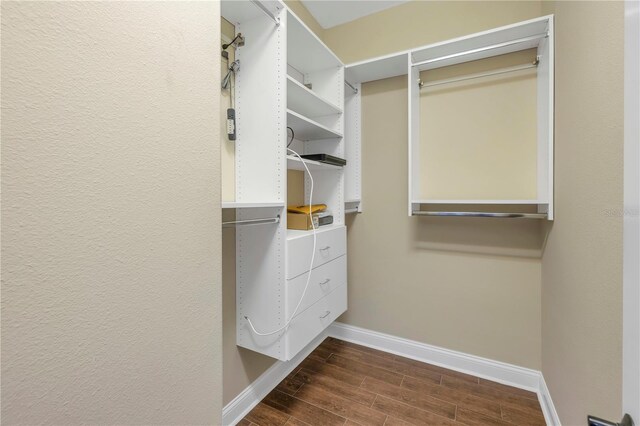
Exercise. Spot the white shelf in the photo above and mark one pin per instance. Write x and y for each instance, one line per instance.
(294, 233)
(242, 11)
(294, 163)
(519, 202)
(305, 51)
(306, 102)
(530, 32)
(377, 68)
(242, 205)
(306, 129)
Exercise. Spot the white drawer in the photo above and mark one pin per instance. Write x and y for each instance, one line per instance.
(324, 279)
(330, 244)
(310, 323)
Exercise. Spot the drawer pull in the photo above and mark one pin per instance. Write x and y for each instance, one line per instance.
(325, 281)
(326, 314)
(325, 248)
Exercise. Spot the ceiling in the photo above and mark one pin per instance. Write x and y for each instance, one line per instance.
(330, 13)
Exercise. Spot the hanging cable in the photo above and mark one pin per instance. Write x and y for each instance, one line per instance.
(293, 135)
(313, 256)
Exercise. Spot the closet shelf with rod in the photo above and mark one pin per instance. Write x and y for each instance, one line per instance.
(480, 214)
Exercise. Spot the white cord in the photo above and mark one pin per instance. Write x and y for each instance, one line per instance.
(313, 256)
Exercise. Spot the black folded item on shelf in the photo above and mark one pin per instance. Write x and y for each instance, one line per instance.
(326, 158)
(325, 220)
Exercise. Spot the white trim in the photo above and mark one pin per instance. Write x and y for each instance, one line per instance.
(519, 377)
(508, 374)
(631, 221)
(240, 406)
(548, 409)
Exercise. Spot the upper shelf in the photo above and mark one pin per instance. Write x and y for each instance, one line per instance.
(499, 41)
(306, 129)
(307, 102)
(242, 11)
(377, 68)
(305, 51)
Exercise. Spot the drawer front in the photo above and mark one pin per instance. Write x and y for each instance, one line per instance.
(324, 279)
(310, 323)
(330, 245)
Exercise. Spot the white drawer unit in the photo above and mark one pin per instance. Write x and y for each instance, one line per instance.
(330, 244)
(324, 279)
(310, 323)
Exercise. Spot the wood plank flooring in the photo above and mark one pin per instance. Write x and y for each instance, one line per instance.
(341, 383)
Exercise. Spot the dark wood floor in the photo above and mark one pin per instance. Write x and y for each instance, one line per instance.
(341, 383)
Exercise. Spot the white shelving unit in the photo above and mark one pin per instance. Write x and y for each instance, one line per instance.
(534, 34)
(279, 58)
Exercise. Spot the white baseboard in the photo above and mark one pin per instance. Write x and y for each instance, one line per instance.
(497, 371)
(508, 374)
(240, 406)
(512, 375)
(548, 409)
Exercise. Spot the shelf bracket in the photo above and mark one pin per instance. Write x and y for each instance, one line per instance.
(266, 11)
(351, 86)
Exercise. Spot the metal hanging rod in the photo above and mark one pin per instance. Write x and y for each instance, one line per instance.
(349, 211)
(422, 84)
(480, 214)
(263, 221)
(266, 11)
(351, 86)
(482, 49)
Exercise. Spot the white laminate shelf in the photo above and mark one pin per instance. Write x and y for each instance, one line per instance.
(306, 102)
(306, 129)
(294, 163)
(377, 68)
(241, 205)
(295, 233)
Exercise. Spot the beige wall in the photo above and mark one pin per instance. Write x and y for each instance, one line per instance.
(111, 310)
(582, 263)
(471, 285)
(418, 22)
(478, 138)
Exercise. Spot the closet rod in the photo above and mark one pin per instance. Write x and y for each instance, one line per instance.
(480, 214)
(422, 84)
(482, 49)
(351, 86)
(251, 222)
(266, 11)
(349, 211)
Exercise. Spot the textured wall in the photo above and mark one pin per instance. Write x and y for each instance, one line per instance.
(582, 263)
(111, 306)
